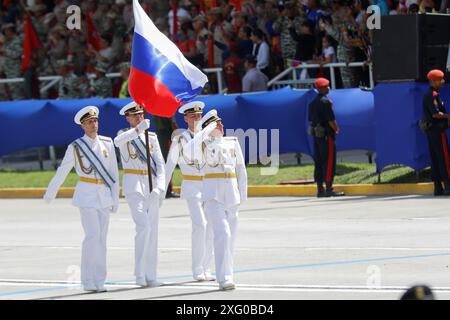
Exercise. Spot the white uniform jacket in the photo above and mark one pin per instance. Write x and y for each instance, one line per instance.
(89, 195)
(223, 155)
(190, 167)
(131, 161)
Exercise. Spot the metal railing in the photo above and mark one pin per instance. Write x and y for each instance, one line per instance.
(293, 71)
(220, 83)
(54, 80)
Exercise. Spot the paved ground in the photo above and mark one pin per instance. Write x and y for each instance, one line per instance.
(287, 248)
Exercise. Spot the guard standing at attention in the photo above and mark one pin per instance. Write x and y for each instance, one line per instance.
(434, 124)
(324, 129)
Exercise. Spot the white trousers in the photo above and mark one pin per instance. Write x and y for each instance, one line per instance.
(202, 237)
(146, 218)
(224, 222)
(95, 224)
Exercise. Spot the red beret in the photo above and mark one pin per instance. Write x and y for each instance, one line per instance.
(321, 82)
(435, 74)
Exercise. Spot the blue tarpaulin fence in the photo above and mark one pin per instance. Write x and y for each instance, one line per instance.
(383, 121)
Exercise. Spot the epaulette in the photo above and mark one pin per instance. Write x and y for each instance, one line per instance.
(177, 138)
(230, 138)
(151, 134)
(122, 130)
(103, 138)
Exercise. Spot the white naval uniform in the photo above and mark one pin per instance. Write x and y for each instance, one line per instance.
(144, 206)
(222, 193)
(191, 191)
(222, 196)
(94, 200)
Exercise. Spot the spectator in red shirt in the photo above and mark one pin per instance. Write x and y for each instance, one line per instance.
(186, 45)
(232, 70)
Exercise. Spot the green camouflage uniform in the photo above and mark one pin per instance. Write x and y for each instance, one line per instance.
(71, 87)
(13, 50)
(102, 87)
(344, 53)
(41, 28)
(288, 45)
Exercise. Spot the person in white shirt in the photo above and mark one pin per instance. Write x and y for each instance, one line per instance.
(143, 202)
(96, 193)
(182, 15)
(328, 52)
(191, 191)
(261, 51)
(224, 189)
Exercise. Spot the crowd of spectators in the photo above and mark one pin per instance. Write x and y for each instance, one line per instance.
(252, 40)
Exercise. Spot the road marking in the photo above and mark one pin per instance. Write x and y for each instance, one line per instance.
(273, 268)
(59, 285)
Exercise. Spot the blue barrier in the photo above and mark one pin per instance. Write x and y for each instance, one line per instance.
(398, 109)
(384, 121)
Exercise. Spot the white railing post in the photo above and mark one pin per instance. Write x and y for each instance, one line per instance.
(218, 72)
(51, 151)
(219, 81)
(333, 78)
(372, 84)
(50, 84)
(277, 80)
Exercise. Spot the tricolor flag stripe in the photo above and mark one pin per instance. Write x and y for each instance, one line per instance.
(161, 69)
(161, 78)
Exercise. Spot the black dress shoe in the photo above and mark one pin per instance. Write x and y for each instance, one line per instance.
(321, 194)
(438, 193)
(334, 194)
(172, 195)
(446, 193)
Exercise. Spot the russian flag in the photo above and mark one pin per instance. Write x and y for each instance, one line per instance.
(161, 78)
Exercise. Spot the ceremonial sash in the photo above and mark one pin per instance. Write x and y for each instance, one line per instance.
(139, 145)
(95, 162)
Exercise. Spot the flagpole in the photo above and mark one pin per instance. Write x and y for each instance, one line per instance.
(149, 168)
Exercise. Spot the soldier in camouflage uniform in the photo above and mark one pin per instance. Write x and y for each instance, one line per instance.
(38, 21)
(101, 86)
(345, 52)
(100, 16)
(12, 52)
(71, 86)
(76, 50)
(288, 45)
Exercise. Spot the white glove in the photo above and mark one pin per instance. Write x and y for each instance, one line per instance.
(154, 196)
(162, 196)
(114, 208)
(210, 126)
(143, 125)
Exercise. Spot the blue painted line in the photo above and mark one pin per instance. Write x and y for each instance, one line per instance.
(342, 262)
(19, 292)
(297, 266)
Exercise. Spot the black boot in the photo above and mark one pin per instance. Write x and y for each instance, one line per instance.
(438, 190)
(331, 193)
(446, 188)
(320, 191)
(170, 193)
